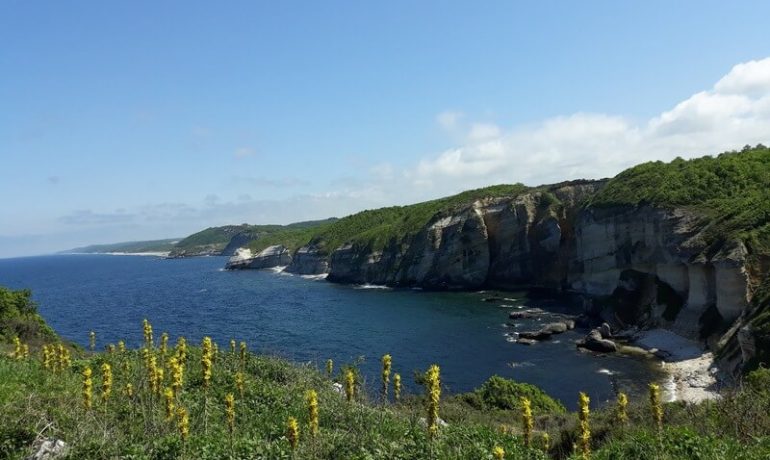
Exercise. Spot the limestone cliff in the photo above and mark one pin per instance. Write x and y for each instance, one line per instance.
(628, 264)
(681, 245)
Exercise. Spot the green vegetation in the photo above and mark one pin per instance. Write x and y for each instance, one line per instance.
(731, 190)
(214, 239)
(506, 394)
(19, 318)
(128, 247)
(379, 227)
(215, 404)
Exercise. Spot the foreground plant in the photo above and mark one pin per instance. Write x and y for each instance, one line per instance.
(168, 396)
(147, 330)
(206, 364)
(656, 406)
(87, 388)
(329, 367)
(92, 341)
(230, 412)
(177, 375)
(183, 423)
(292, 432)
(498, 453)
(433, 388)
(527, 422)
(386, 365)
(240, 382)
(106, 382)
(585, 429)
(622, 409)
(312, 408)
(397, 386)
(350, 385)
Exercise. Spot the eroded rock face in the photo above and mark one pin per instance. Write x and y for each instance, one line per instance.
(308, 260)
(270, 257)
(545, 238)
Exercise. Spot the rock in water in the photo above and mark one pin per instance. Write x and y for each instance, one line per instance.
(595, 342)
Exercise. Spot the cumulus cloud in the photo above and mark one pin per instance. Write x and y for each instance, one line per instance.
(734, 112)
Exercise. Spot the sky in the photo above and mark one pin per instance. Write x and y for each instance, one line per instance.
(123, 121)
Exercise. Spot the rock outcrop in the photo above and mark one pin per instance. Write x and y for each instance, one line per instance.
(308, 260)
(270, 257)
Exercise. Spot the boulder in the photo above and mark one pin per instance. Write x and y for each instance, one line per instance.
(595, 342)
(605, 331)
(523, 341)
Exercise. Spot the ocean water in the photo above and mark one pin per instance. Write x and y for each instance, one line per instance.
(310, 320)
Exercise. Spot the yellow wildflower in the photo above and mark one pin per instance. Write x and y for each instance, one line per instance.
(397, 386)
(87, 388)
(527, 421)
(106, 382)
(433, 387)
(168, 395)
(292, 432)
(585, 429)
(386, 365)
(498, 453)
(312, 407)
(183, 422)
(350, 385)
(656, 406)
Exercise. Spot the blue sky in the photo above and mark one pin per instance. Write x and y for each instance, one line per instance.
(140, 120)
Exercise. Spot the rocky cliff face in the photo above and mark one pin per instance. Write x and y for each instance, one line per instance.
(272, 256)
(629, 265)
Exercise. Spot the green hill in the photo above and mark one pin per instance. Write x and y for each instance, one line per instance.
(127, 247)
(731, 190)
(378, 227)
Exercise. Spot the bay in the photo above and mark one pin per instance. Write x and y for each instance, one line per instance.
(309, 320)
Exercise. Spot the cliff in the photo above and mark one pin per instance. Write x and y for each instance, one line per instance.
(680, 245)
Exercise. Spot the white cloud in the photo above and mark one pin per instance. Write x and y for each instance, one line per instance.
(735, 112)
(481, 131)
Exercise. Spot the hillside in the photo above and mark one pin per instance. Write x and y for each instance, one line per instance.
(142, 404)
(133, 247)
(378, 227)
(226, 239)
(730, 191)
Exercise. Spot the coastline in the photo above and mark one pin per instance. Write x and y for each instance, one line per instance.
(691, 372)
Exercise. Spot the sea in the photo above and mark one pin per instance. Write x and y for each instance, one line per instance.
(309, 320)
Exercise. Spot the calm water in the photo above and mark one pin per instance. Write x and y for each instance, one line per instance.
(311, 320)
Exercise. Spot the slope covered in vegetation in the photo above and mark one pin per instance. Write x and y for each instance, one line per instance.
(129, 247)
(378, 227)
(731, 190)
(165, 401)
(213, 240)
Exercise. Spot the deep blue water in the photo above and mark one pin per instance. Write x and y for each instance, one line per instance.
(311, 320)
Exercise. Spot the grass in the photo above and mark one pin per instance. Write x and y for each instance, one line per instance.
(38, 403)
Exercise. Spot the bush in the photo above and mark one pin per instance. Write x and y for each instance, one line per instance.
(506, 394)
